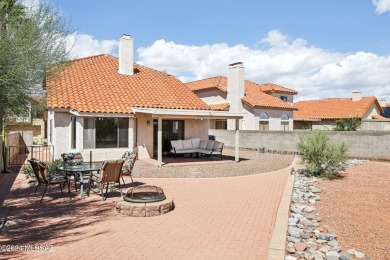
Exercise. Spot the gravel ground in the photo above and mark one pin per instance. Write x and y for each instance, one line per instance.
(251, 162)
(357, 206)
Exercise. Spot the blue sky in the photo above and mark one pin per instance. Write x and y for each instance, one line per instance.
(320, 48)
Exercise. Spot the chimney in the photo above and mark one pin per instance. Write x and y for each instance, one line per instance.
(126, 63)
(382, 102)
(356, 95)
(235, 86)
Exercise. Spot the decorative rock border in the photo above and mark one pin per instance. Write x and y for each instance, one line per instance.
(145, 209)
(306, 238)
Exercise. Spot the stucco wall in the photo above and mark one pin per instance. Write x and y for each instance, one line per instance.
(376, 125)
(213, 96)
(145, 132)
(62, 142)
(290, 98)
(362, 144)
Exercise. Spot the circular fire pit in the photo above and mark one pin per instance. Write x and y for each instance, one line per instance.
(145, 201)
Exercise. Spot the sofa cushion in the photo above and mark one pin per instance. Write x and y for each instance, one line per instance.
(210, 145)
(195, 143)
(185, 151)
(187, 144)
(204, 151)
(203, 144)
(218, 146)
(178, 145)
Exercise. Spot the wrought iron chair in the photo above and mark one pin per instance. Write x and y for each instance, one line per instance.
(71, 159)
(110, 173)
(47, 179)
(128, 165)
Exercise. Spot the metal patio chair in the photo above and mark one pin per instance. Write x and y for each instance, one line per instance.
(47, 179)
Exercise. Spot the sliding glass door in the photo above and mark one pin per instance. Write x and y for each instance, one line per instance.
(171, 130)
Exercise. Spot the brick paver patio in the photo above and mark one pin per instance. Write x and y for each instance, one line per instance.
(219, 218)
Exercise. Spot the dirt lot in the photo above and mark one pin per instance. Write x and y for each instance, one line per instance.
(357, 206)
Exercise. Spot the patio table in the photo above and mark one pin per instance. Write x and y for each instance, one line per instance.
(79, 170)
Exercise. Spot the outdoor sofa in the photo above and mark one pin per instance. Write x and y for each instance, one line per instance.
(196, 146)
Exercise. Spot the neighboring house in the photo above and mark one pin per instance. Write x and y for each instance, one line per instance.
(385, 107)
(322, 114)
(30, 124)
(265, 106)
(108, 105)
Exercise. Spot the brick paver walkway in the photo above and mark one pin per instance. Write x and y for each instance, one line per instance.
(220, 218)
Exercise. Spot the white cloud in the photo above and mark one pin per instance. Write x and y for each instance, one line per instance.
(82, 45)
(314, 72)
(382, 6)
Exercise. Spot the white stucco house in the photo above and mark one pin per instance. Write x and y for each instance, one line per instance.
(265, 106)
(108, 105)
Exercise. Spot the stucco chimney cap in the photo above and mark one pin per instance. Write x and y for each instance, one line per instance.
(236, 63)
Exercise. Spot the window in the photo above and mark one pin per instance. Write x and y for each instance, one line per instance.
(285, 124)
(89, 133)
(106, 132)
(284, 98)
(264, 122)
(73, 132)
(221, 124)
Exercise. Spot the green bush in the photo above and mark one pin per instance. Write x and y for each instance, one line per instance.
(29, 173)
(321, 156)
(347, 124)
(51, 168)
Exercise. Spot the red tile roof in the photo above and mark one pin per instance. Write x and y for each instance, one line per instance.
(93, 85)
(271, 87)
(257, 98)
(220, 107)
(255, 94)
(205, 84)
(334, 108)
(379, 117)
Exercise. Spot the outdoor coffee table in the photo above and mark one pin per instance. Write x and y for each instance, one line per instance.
(79, 170)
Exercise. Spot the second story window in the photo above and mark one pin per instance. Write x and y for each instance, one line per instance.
(264, 122)
(284, 98)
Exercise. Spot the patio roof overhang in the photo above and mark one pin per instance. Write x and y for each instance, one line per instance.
(89, 114)
(187, 113)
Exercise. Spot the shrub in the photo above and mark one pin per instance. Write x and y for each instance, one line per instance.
(51, 168)
(347, 124)
(29, 173)
(321, 156)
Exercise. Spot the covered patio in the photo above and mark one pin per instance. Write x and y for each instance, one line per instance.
(182, 114)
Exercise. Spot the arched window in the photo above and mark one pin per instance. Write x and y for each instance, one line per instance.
(285, 124)
(263, 122)
(264, 115)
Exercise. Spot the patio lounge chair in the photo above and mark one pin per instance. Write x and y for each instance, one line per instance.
(128, 165)
(110, 173)
(47, 179)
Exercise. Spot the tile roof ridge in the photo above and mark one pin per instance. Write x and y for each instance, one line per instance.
(94, 56)
(206, 79)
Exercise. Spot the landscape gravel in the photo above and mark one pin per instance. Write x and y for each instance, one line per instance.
(346, 218)
(251, 162)
(357, 206)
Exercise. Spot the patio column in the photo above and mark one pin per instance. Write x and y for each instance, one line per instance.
(237, 141)
(159, 142)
